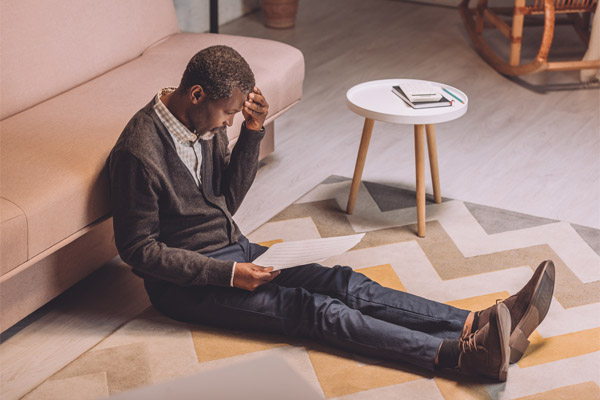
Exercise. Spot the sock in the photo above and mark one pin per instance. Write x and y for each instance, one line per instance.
(475, 322)
(448, 354)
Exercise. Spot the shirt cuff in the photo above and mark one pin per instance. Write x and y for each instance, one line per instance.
(232, 273)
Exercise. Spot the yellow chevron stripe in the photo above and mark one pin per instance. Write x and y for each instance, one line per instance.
(545, 350)
(270, 243)
(479, 302)
(384, 275)
(214, 343)
(340, 374)
(464, 388)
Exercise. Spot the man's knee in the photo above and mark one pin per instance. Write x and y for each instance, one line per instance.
(353, 280)
(342, 269)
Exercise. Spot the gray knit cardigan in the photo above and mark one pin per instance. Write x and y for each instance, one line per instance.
(163, 221)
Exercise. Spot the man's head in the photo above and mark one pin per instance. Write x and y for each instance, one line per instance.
(217, 81)
(218, 69)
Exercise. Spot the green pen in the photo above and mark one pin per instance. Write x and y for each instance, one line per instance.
(453, 95)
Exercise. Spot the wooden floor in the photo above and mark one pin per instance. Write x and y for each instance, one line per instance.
(519, 147)
(516, 148)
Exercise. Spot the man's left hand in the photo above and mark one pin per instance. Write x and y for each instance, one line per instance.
(255, 110)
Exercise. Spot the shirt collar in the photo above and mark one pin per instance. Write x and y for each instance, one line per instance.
(173, 125)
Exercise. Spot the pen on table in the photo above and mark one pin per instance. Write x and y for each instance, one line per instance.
(453, 95)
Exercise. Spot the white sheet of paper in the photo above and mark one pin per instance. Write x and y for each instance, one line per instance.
(300, 252)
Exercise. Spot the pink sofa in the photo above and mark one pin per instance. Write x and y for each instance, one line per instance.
(72, 74)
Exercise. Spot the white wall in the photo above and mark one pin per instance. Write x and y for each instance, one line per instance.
(194, 15)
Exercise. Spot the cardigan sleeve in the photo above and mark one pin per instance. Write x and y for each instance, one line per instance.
(135, 203)
(241, 167)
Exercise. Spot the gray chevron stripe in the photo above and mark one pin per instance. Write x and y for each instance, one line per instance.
(496, 220)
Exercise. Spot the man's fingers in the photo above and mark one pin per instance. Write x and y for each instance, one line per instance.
(257, 97)
(257, 100)
(264, 277)
(254, 114)
(263, 269)
(272, 275)
(254, 106)
(249, 276)
(255, 109)
(266, 273)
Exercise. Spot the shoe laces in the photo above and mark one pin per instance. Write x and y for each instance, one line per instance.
(468, 344)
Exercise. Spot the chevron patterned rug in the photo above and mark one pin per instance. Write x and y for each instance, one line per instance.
(472, 255)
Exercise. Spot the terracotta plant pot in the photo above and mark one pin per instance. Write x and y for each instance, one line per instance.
(280, 13)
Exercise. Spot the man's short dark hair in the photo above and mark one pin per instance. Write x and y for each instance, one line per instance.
(218, 69)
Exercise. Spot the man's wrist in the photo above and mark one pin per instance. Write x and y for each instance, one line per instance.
(245, 126)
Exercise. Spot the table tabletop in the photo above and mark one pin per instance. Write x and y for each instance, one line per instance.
(375, 100)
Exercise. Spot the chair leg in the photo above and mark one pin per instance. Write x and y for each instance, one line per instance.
(516, 34)
(360, 163)
(433, 162)
(479, 16)
(548, 35)
(420, 170)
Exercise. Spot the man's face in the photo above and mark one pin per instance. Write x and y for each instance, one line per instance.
(214, 114)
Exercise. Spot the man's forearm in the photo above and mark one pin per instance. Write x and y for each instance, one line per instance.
(242, 168)
(179, 266)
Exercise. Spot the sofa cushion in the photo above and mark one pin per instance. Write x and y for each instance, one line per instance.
(36, 65)
(53, 154)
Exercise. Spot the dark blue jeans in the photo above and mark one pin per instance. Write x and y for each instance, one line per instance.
(336, 305)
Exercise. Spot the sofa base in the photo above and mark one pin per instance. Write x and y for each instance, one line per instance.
(267, 145)
(36, 282)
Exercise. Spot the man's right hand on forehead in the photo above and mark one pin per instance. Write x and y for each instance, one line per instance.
(255, 110)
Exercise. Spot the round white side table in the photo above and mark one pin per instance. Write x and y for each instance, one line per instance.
(375, 101)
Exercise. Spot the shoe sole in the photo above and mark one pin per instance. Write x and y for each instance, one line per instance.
(503, 322)
(535, 313)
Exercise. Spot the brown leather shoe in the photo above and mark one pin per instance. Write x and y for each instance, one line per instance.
(486, 352)
(528, 308)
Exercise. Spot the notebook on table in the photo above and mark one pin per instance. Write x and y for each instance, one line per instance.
(421, 95)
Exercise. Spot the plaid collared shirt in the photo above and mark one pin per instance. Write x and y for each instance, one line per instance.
(186, 143)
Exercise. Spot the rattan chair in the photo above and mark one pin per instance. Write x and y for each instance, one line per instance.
(575, 12)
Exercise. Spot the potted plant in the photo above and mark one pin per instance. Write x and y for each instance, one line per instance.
(279, 13)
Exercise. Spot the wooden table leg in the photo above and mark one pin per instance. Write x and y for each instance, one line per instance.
(360, 163)
(420, 167)
(433, 162)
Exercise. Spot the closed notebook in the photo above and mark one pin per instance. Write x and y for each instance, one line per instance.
(419, 91)
(443, 102)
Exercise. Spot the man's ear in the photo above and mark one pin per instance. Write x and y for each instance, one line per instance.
(197, 94)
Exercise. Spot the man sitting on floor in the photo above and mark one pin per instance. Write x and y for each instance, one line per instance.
(174, 189)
